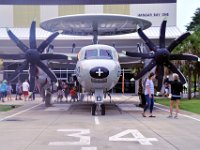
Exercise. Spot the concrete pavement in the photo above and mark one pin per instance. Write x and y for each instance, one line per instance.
(70, 126)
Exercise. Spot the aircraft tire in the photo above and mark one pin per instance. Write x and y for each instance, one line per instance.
(103, 110)
(93, 109)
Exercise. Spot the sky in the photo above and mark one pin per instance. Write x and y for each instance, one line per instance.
(185, 10)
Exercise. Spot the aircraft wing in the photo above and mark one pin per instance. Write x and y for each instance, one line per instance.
(125, 61)
(68, 63)
(129, 62)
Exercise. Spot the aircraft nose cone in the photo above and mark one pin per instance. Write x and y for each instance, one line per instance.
(99, 72)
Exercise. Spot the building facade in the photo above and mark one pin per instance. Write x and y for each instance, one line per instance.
(19, 14)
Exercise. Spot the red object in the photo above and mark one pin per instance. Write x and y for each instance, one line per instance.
(72, 92)
(25, 93)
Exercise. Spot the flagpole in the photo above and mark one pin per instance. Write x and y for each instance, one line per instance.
(123, 81)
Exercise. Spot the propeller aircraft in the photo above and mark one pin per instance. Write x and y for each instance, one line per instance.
(98, 67)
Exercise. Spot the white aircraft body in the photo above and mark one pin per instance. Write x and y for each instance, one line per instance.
(98, 69)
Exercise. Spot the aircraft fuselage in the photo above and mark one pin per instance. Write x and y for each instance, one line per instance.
(98, 69)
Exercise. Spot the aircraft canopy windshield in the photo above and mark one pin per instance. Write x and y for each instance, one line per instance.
(106, 54)
(91, 54)
(98, 54)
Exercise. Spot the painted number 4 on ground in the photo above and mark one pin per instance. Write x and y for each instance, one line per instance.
(83, 138)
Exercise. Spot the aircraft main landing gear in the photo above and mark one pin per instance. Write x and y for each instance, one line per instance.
(103, 110)
(93, 109)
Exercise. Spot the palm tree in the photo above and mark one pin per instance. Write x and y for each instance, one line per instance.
(191, 45)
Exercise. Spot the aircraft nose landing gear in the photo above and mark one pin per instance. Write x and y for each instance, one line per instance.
(98, 105)
(93, 109)
(103, 110)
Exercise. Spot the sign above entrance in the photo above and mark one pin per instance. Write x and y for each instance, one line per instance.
(155, 13)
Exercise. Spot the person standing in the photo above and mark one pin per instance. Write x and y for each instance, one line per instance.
(25, 89)
(9, 91)
(166, 85)
(141, 94)
(60, 91)
(176, 90)
(18, 90)
(149, 95)
(3, 89)
(66, 91)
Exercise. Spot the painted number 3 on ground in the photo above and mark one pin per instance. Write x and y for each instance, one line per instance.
(83, 138)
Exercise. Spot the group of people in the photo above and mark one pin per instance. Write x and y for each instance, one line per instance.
(176, 90)
(23, 89)
(6, 91)
(64, 90)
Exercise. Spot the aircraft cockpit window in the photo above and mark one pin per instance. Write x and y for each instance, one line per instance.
(106, 54)
(91, 54)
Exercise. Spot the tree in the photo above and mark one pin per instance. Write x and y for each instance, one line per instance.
(191, 45)
(195, 21)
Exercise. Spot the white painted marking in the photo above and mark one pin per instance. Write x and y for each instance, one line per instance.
(21, 112)
(138, 137)
(99, 72)
(84, 140)
(96, 120)
(179, 114)
(88, 148)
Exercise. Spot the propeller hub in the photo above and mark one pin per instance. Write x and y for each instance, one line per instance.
(32, 56)
(162, 55)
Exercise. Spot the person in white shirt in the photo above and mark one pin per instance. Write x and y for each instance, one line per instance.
(149, 94)
(25, 89)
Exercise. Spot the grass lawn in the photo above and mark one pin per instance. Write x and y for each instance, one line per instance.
(185, 104)
(7, 107)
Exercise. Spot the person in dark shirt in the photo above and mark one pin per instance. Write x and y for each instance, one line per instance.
(176, 90)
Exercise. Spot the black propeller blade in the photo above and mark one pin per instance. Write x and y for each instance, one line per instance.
(162, 55)
(32, 72)
(143, 55)
(175, 70)
(146, 69)
(19, 70)
(178, 41)
(147, 41)
(160, 74)
(188, 57)
(19, 43)
(162, 34)
(33, 55)
(46, 42)
(32, 37)
(13, 56)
